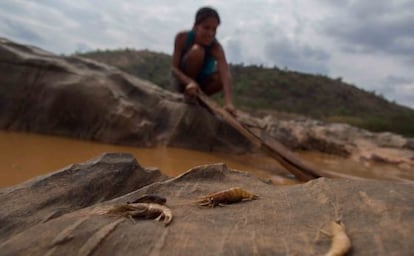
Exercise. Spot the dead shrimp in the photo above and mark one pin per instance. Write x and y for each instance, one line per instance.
(143, 210)
(229, 196)
(341, 243)
(340, 240)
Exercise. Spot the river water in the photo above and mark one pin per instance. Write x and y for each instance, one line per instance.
(24, 156)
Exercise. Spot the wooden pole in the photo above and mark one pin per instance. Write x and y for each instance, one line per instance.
(264, 142)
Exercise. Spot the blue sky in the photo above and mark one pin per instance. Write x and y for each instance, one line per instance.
(367, 43)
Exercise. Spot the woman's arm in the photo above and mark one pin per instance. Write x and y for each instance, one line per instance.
(178, 48)
(191, 85)
(226, 79)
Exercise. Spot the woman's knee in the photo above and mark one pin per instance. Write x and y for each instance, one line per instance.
(195, 54)
(193, 61)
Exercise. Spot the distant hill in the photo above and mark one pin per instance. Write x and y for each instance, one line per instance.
(259, 88)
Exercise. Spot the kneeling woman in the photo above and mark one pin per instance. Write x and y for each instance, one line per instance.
(199, 62)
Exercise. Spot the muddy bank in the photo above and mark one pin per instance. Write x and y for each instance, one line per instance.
(284, 220)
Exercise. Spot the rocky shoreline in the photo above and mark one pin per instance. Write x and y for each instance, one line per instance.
(69, 96)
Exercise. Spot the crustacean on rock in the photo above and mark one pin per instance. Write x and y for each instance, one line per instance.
(229, 196)
(143, 210)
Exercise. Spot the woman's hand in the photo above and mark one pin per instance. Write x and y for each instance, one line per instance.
(191, 88)
(231, 109)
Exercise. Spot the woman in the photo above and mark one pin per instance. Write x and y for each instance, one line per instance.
(199, 62)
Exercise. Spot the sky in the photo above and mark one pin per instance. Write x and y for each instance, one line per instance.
(369, 44)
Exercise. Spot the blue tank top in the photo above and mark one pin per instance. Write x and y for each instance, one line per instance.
(209, 63)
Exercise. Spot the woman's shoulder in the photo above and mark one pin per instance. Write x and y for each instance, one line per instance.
(216, 43)
(180, 39)
(182, 35)
(216, 47)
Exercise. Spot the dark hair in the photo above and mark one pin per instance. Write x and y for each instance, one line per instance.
(204, 13)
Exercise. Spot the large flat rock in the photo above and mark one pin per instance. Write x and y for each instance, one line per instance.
(285, 220)
(70, 96)
(71, 188)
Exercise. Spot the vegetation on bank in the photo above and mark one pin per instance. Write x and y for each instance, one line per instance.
(258, 88)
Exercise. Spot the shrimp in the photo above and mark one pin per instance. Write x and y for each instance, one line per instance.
(229, 196)
(143, 210)
(340, 241)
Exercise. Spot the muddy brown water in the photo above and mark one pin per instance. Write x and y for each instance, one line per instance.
(24, 156)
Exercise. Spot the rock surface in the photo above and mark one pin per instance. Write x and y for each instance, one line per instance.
(379, 216)
(74, 187)
(44, 93)
(341, 140)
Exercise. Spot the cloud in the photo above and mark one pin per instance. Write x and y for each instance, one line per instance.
(19, 31)
(374, 27)
(287, 53)
(399, 87)
(366, 43)
(234, 50)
